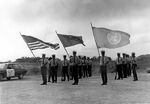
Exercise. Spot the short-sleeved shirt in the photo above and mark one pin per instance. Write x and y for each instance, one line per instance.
(53, 62)
(74, 60)
(43, 62)
(119, 60)
(103, 61)
(65, 63)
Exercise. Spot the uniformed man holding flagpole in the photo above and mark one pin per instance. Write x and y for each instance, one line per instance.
(44, 69)
(65, 66)
(75, 62)
(103, 67)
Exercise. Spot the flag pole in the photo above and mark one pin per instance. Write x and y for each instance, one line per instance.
(28, 47)
(63, 46)
(95, 41)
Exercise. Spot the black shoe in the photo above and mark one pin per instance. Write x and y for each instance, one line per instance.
(102, 84)
(43, 84)
(49, 81)
(75, 84)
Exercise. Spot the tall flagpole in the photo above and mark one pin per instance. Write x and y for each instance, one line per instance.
(29, 48)
(63, 46)
(95, 41)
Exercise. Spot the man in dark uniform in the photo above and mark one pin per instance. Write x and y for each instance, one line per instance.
(103, 68)
(44, 69)
(49, 71)
(65, 66)
(134, 65)
(80, 67)
(71, 68)
(89, 65)
(119, 66)
(124, 65)
(85, 70)
(54, 66)
(75, 61)
(128, 66)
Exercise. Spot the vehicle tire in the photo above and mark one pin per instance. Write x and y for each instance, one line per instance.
(1, 77)
(8, 78)
(20, 77)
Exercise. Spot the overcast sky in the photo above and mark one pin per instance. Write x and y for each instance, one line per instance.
(40, 18)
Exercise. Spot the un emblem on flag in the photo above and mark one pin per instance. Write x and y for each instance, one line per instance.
(113, 37)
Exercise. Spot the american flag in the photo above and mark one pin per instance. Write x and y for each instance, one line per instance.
(34, 43)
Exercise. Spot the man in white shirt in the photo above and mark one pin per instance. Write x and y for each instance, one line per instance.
(103, 68)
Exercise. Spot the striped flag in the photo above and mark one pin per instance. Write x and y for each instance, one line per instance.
(70, 40)
(34, 43)
(106, 38)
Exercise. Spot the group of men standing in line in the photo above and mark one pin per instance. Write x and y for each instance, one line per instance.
(124, 66)
(75, 68)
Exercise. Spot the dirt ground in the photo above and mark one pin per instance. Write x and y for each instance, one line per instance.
(89, 91)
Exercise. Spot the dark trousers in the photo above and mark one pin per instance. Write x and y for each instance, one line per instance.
(85, 71)
(124, 70)
(120, 71)
(75, 74)
(80, 71)
(128, 69)
(104, 74)
(54, 74)
(65, 72)
(89, 70)
(134, 72)
(44, 74)
(71, 72)
(49, 74)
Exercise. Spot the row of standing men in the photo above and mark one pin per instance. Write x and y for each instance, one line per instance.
(124, 66)
(75, 68)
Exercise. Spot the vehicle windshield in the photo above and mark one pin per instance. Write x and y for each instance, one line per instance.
(2, 66)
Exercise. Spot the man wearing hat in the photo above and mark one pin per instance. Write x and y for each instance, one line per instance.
(119, 66)
(44, 69)
(54, 66)
(134, 65)
(49, 71)
(89, 65)
(124, 65)
(103, 68)
(75, 62)
(65, 65)
(80, 67)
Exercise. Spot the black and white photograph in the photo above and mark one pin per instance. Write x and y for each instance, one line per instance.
(74, 52)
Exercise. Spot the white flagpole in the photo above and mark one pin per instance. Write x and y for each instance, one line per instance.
(95, 41)
(63, 46)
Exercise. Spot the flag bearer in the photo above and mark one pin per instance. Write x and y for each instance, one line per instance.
(44, 62)
(65, 66)
(134, 65)
(75, 62)
(119, 66)
(103, 68)
(54, 66)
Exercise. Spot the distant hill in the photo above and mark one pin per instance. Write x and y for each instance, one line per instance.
(143, 62)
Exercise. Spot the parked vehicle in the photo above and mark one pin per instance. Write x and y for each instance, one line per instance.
(10, 70)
